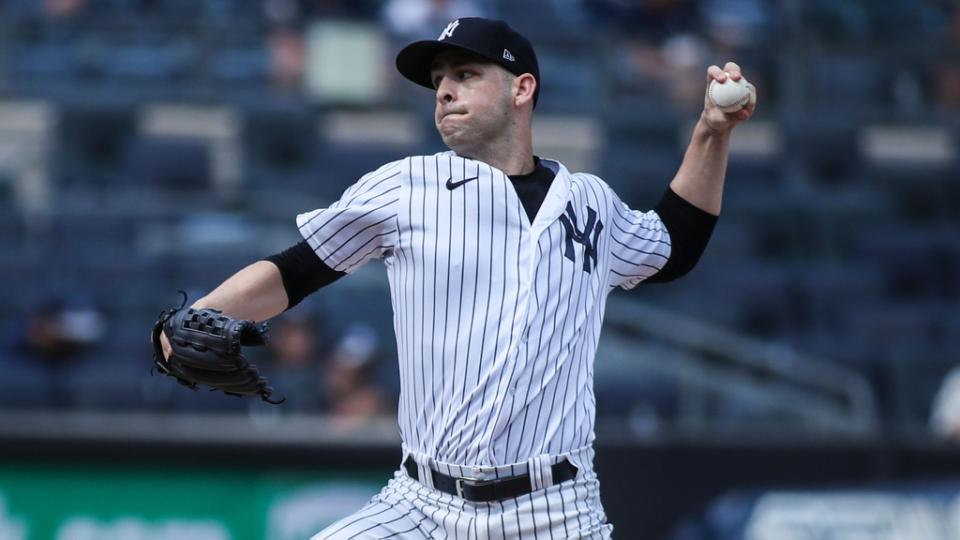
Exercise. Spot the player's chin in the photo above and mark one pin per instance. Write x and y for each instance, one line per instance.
(452, 133)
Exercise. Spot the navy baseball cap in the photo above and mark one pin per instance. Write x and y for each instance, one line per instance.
(489, 38)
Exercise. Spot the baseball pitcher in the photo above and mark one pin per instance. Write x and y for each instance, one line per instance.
(500, 263)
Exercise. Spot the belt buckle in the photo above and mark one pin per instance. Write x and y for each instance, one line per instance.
(460, 482)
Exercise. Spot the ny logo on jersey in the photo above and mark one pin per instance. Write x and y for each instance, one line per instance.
(574, 234)
(448, 31)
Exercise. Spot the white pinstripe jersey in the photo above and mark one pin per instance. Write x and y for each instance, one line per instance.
(497, 319)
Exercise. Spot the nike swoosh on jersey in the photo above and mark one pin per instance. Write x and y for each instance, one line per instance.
(454, 185)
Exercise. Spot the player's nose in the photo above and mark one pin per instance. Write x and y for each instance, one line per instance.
(446, 93)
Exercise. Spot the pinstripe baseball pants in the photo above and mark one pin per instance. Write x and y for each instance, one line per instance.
(409, 510)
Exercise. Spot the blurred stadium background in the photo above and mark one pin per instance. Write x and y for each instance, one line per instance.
(798, 384)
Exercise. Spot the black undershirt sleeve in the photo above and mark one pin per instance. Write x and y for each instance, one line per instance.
(690, 229)
(302, 272)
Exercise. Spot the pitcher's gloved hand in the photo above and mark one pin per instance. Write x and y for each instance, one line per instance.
(205, 350)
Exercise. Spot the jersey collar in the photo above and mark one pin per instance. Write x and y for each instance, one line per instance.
(555, 202)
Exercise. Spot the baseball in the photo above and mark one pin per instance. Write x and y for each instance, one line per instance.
(730, 96)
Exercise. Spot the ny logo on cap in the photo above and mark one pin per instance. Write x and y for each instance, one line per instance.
(448, 31)
(508, 56)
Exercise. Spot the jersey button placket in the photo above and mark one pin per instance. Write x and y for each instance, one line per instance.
(530, 278)
(526, 283)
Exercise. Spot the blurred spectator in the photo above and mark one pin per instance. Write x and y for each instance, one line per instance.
(56, 336)
(351, 394)
(946, 70)
(287, 59)
(57, 333)
(420, 19)
(945, 413)
(948, 85)
(667, 44)
(672, 71)
(63, 8)
(736, 25)
(663, 51)
(295, 351)
(683, 58)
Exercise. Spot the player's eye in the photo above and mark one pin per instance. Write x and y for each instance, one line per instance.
(436, 81)
(464, 74)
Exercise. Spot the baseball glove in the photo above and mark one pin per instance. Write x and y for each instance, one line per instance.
(206, 351)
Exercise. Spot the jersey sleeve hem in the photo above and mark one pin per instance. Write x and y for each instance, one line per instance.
(313, 240)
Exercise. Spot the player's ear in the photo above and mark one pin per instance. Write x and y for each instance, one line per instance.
(524, 87)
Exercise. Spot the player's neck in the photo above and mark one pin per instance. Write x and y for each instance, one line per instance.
(511, 157)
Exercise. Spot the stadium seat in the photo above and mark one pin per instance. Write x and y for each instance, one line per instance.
(92, 142)
(114, 385)
(25, 384)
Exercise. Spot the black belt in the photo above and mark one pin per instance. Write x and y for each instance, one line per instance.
(489, 490)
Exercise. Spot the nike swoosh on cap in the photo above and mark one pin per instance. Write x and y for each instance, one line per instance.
(454, 185)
